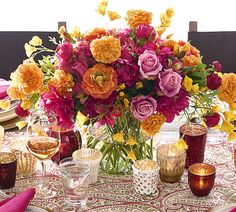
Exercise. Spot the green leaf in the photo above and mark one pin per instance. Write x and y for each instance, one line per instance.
(34, 99)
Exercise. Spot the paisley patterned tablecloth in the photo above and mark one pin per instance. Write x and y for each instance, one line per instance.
(116, 193)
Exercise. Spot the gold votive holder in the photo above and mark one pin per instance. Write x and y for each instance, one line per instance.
(201, 178)
(93, 157)
(171, 161)
(26, 162)
(145, 176)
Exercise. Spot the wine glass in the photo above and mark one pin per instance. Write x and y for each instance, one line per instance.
(43, 141)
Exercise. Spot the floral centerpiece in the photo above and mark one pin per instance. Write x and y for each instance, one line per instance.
(127, 82)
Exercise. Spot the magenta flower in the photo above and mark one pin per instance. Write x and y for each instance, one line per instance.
(149, 65)
(79, 68)
(143, 106)
(171, 106)
(62, 106)
(213, 81)
(144, 31)
(64, 51)
(169, 83)
(217, 65)
(128, 54)
(212, 120)
(20, 111)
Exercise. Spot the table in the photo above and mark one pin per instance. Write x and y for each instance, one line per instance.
(115, 193)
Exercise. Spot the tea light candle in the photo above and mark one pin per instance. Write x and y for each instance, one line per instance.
(201, 178)
(145, 176)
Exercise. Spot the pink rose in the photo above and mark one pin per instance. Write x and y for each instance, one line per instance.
(169, 82)
(143, 106)
(149, 64)
(64, 51)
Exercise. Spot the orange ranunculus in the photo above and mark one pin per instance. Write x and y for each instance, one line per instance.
(190, 60)
(136, 17)
(170, 44)
(95, 33)
(106, 49)
(100, 81)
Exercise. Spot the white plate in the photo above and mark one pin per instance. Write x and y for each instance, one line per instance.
(32, 208)
(8, 114)
(224, 208)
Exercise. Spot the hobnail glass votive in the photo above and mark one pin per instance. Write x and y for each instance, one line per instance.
(93, 156)
(171, 161)
(145, 176)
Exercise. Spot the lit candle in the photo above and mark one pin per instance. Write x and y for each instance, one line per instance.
(201, 178)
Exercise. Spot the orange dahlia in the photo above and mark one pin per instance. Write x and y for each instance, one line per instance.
(190, 60)
(153, 123)
(136, 17)
(95, 33)
(100, 81)
(62, 81)
(27, 79)
(227, 90)
(106, 49)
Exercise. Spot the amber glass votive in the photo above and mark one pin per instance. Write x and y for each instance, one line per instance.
(8, 163)
(171, 161)
(201, 178)
(195, 136)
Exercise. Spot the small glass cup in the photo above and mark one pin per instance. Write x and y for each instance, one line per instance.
(172, 162)
(74, 173)
(93, 156)
(195, 136)
(201, 178)
(8, 163)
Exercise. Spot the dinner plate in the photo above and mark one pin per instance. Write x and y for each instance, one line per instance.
(224, 208)
(32, 208)
(9, 114)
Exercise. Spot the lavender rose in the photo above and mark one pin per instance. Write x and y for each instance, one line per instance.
(169, 83)
(143, 106)
(149, 64)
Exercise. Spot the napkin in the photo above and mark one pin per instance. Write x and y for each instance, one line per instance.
(18, 202)
(3, 88)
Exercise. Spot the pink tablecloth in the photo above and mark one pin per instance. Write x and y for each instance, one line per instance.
(115, 193)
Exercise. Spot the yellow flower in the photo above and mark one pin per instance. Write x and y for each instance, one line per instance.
(216, 109)
(106, 49)
(170, 12)
(94, 33)
(169, 36)
(232, 106)
(195, 88)
(131, 141)
(131, 155)
(153, 123)
(227, 90)
(119, 137)
(227, 127)
(126, 103)
(121, 87)
(229, 116)
(36, 41)
(181, 144)
(29, 50)
(137, 17)
(232, 136)
(102, 7)
(5, 104)
(62, 31)
(75, 33)
(113, 15)
(121, 94)
(160, 31)
(15, 93)
(21, 124)
(62, 81)
(187, 83)
(25, 104)
(81, 119)
(138, 85)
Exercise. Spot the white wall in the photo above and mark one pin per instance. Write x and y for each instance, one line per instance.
(29, 15)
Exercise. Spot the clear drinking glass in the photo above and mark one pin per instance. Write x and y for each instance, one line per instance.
(74, 173)
(43, 143)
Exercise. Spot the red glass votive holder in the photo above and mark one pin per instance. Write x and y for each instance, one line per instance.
(195, 136)
(201, 178)
(8, 164)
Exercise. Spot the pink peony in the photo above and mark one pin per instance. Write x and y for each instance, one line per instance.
(143, 106)
(213, 81)
(171, 106)
(217, 65)
(64, 51)
(169, 83)
(149, 65)
(212, 120)
(144, 31)
(62, 106)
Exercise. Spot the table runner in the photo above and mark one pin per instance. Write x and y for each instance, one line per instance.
(115, 193)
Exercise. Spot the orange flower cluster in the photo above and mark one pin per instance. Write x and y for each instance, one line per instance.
(95, 33)
(26, 80)
(106, 49)
(227, 89)
(136, 17)
(100, 81)
(62, 81)
(153, 123)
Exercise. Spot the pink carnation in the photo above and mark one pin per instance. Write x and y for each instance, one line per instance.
(64, 51)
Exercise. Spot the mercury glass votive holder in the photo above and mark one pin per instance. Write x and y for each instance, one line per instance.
(171, 161)
(145, 173)
(93, 157)
(201, 178)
